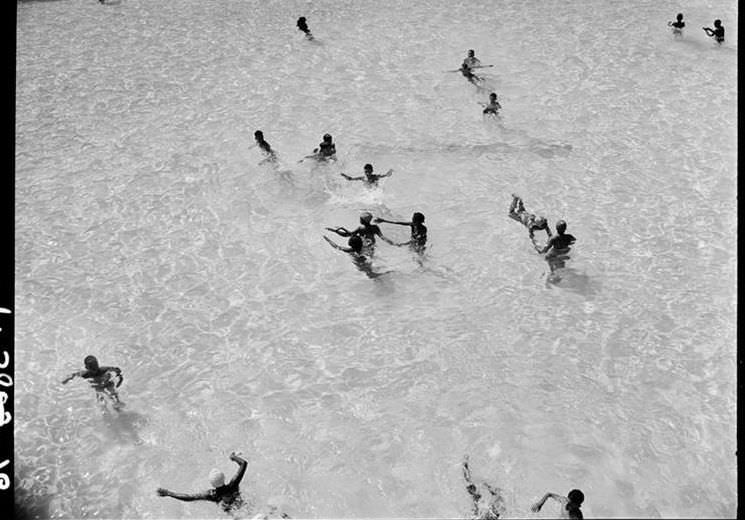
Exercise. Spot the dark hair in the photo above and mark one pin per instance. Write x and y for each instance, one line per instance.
(368, 165)
(355, 242)
(327, 137)
(417, 217)
(576, 496)
(90, 360)
(301, 19)
(680, 15)
(561, 226)
(717, 23)
(258, 133)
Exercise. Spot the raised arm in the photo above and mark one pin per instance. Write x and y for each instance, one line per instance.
(182, 496)
(538, 505)
(242, 464)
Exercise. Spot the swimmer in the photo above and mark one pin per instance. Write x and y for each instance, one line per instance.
(489, 508)
(560, 242)
(471, 60)
(101, 379)
(303, 26)
(465, 69)
(367, 231)
(572, 503)
(529, 220)
(418, 239)
(355, 243)
(370, 178)
(228, 495)
(493, 106)
(677, 25)
(717, 33)
(325, 151)
(264, 146)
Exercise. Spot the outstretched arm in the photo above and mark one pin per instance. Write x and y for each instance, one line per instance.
(71, 376)
(181, 496)
(378, 220)
(548, 246)
(242, 464)
(335, 245)
(340, 231)
(352, 178)
(387, 174)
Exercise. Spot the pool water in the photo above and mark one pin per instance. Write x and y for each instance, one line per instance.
(148, 235)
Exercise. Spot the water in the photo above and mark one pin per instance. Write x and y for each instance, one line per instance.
(147, 235)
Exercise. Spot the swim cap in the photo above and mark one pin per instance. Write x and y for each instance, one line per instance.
(540, 222)
(561, 225)
(366, 216)
(216, 478)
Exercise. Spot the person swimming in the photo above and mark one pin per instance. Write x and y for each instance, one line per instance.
(228, 495)
(529, 220)
(558, 243)
(418, 241)
(367, 231)
(717, 32)
(677, 25)
(264, 147)
(102, 380)
(467, 72)
(492, 506)
(355, 249)
(493, 106)
(326, 149)
(471, 60)
(572, 503)
(370, 178)
(303, 26)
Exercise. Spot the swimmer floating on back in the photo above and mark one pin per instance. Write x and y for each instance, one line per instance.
(572, 503)
(303, 26)
(418, 241)
(102, 381)
(228, 495)
(529, 220)
(493, 106)
(717, 32)
(677, 25)
(370, 178)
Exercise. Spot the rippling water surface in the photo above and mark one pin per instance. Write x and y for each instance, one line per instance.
(147, 235)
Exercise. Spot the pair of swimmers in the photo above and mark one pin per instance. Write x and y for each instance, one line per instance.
(717, 32)
(490, 505)
(558, 243)
(326, 149)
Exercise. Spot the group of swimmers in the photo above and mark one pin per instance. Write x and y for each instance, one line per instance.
(105, 380)
(717, 32)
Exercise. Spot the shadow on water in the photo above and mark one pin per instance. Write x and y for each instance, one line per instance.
(124, 426)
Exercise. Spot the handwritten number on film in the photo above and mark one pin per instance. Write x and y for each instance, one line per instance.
(5, 417)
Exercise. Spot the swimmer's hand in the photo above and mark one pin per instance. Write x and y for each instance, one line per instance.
(536, 507)
(163, 492)
(345, 176)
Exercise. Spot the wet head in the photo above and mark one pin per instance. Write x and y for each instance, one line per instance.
(91, 363)
(417, 218)
(365, 218)
(561, 226)
(355, 242)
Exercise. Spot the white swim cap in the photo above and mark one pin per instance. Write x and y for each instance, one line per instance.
(217, 478)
